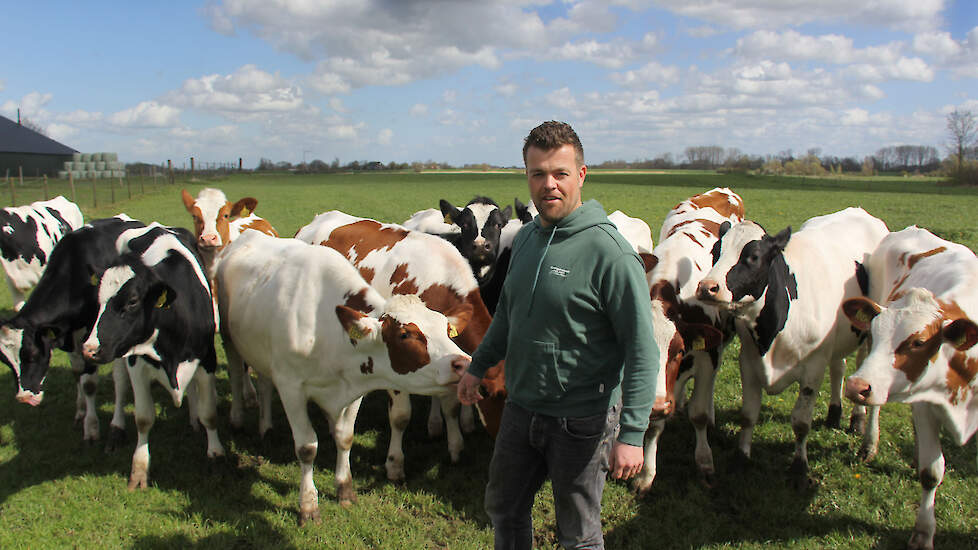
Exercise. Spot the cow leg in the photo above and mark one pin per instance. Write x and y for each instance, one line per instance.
(467, 418)
(643, 481)
(398, 415)
(436, 422)
(121, 385)
(450, 408)
(192, 399)
(206, 390)
(306, 445)
(266, 389)
(343, 438)
(85, 409)
(16, 295)
(750, 377)
(930, 469)
(801, 421)
(145, 412)
(871, 434)
(236, 375)
(702, 415)
(837, 374)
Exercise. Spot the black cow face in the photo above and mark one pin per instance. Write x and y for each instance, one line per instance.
(750, 276)
(481, 222)
(27, 351)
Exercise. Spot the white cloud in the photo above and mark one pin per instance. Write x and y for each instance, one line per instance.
(247, 91)
(385, 136)
(506, 89)
(419, 109)
(449, 96)
(652, 74)
(704, 31)
(148, 114)
(854, 117)
(958, 57)
(344, 132)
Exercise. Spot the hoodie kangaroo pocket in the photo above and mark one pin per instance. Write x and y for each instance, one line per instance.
(550, 381)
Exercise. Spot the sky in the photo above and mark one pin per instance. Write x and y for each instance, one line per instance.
(464, 81)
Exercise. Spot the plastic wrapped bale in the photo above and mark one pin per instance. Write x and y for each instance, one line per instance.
(69, 166)
(85, 157)
(62, 174)
(96, 157)
(76, 157)
(100, 165)
(110, 157)
(118, 173)
(76, 174)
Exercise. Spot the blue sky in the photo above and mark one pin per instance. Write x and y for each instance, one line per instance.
(463, 81)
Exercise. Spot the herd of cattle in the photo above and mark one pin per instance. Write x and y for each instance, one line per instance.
(351, 305)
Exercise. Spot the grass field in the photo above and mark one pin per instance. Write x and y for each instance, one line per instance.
(56, 492)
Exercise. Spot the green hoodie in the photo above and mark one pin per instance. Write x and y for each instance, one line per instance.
(574, 311)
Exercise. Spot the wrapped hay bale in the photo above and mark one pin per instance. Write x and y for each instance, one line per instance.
(118, 173)
(100, 165)
(96, 157)
(76, 157)
(62, 174)
(85, 157)
(105, 174)
(69, 165)
(110, 157)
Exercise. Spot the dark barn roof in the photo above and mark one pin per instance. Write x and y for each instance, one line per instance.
(15, 138)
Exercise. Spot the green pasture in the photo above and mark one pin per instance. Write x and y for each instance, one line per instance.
(56, 492)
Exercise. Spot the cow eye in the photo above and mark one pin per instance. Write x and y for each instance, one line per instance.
(917, 344)
(404, 335)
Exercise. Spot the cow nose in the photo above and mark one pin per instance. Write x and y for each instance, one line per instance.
(858, 390)
(707, 289)
(89, 351)
(663, 408)
(459, 364)
(210, 240)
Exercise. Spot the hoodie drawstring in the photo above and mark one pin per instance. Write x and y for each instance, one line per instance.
(539, 265)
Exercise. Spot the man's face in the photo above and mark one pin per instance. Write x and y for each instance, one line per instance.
(555, 182)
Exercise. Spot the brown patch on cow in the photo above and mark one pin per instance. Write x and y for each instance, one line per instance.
(368, 366)
(917, 257)
(692, 238)
(902, 259)
(367, 273)
(247, 205)
(261, 225)
(649, 261)
(951, 311)
(357, 239)
(708, 225)
(896, 293)
(403, 285)
(720, 202)
(960, 373)
(913, 354)
(358, 301)
(674, 358)
(663, 292)
(407, 346)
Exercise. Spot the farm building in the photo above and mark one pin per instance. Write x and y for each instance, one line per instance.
(37, 154)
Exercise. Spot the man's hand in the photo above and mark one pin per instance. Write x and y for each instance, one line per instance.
(468, 389)
(626, 460)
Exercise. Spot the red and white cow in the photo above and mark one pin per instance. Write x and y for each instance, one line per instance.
(785, 292)
(690, 335)
(27, 237)
(395, 260)
(636, 231)
(921, 314)
(217, 222)
(304, 317)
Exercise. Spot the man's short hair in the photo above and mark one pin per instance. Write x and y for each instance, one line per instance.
(553, 135)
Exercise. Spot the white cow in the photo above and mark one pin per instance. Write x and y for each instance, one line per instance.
(785, 292)
(920, 312)
(303, 317)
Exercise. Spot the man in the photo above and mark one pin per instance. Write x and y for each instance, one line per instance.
(574, 324)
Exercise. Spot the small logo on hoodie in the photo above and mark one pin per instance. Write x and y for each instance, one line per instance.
(559, 271)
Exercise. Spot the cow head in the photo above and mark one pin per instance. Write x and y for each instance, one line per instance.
(481, 222)
(212, 214)
(413, 343)
(27, 351)
(676, 337)
(524, 212)
(131, 299)
(919, 351)
(732, 255)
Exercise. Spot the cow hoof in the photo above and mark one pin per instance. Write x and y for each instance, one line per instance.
(435, 429)
(309, 515)
(920, 541)
(117, 438)
(834, 418)
(642, 485)
(866, 455)
(708, 479)
(798, 476)
(857, 424)
(137, 481)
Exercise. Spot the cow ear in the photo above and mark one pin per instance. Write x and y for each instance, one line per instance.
(458, 318)
(244, 207)
(700, 336)
(961, 333)
(356, 324)
(50, 336)
(188, 200)
(861, 311)
(507, 213)
(449, 211)
(782, 238)
(649, 260)
(160, 295)
(724, 227)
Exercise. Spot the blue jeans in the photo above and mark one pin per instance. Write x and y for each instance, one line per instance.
(572, 451)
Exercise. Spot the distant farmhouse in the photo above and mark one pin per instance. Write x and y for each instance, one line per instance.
(37, 154)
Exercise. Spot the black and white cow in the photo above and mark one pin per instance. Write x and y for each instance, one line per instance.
(785, 293)
(59, 313)
(494, 286)
(156, 310)
(27, 237)
(481, 222)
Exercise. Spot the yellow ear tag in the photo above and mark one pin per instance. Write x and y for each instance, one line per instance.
(162, 300)
(863, 317)
(357, 333)
(452, 331)
(245, 212)
(699, 343)
(94, 280)
(448, 219)
(50, 334)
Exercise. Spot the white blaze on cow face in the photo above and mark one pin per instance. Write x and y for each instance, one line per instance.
(112, 280)
(713, 287)
(912, 345)
(212, 214)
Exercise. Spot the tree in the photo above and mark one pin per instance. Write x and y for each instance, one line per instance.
(962, 128)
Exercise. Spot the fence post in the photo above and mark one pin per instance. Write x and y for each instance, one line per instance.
(71, 183)
(191, 168)
(94, 195)
(128, 187)
(112, 196)
(46, 197)
(169, 169)
(20, 170)
(13, 195)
